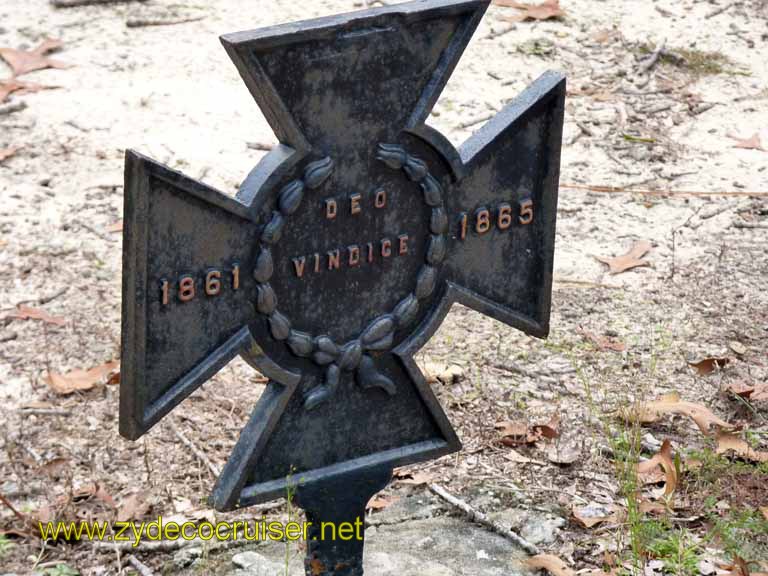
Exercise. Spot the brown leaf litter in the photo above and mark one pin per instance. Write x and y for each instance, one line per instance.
(630, 260)
(26, 61)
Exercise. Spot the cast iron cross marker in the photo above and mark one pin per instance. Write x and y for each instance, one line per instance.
(340, 256)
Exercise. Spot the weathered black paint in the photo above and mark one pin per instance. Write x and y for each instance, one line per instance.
(347, 97)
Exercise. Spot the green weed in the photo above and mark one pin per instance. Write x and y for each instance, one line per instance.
(5, 545)
(61, 570)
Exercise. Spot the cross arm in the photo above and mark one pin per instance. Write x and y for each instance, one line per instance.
(504, 210)
(186, 254)
(342, 82)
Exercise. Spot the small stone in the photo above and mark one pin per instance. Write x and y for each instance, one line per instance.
(737, 347)
(255, 563)
(639, 153)
(186, 556)
(542, 530)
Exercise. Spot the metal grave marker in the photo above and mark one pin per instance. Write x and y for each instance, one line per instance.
(339, 257)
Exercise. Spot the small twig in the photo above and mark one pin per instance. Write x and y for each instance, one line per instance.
(51, 297)
(750, 224)
(482, 519)
(140, 567)
(720, 10)
(16, 513)
(46, 411)
(194, 449)
(259, 146)
(527, 373)
(473, 121)
(43, 299)
(93, 230)
(76, 3)
(645, 66)
(679, 193)
(663, 12)
(501, 32)
(584, 128)
(144, 22)
(657, 109)
(586, 283)
(169, 545)
(12, 107)
(704, 107)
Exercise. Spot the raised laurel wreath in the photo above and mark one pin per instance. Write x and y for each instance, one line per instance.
(378, 336)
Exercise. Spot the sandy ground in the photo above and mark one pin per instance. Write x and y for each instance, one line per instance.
(171, 92)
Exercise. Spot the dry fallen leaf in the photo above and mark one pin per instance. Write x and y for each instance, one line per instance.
(24, 312)
(23, 61)
(95, 491)
(6, 153)
(11, 85)
(595, 513)
(603, 342)
(751, 143)
(412, 478)
(760, 393)
(650, 507)
(709, 365)
(764, 510)
(114, 378)
(317, 567)
(564, 452)
(515, 456)
(604, 35)
(740, 389)
(439, 372)
(663, 459)
(732, 442)
(739, 567)
(133, 507)
(671, 404)
(551, 429)
(380, 502)
(631, 259)
(551, 564)
(544, 11)
(54, 466)
(80, 380)
(515, 433)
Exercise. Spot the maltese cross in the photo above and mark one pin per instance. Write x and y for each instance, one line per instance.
(344, 248)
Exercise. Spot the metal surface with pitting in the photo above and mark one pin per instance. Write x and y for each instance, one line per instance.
(342, 251)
